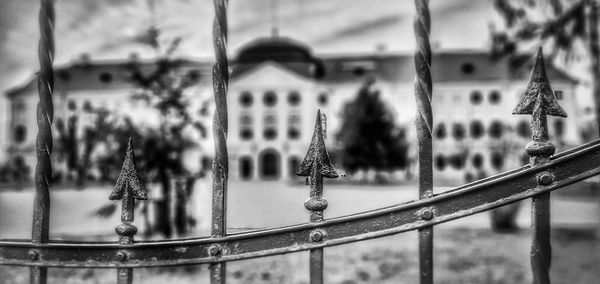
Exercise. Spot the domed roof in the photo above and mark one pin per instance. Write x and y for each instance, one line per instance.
(278, 49)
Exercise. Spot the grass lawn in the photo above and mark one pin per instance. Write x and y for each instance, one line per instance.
(461, 256)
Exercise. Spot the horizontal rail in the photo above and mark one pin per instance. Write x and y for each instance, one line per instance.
(564, 169)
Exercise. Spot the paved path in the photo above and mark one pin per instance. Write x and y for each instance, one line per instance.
(252, 206)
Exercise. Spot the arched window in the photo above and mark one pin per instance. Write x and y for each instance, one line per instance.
(246, 99)
(477, 161)
(270, 98)
(246, 168)
(294, 163)
(476, 97)
(497, 160)
(458, 131)
(496, 129)
(476, 129)
(494, 97)
(440, 131)
(269, 164)
(440, 162)
(523, 129)
(294, 98)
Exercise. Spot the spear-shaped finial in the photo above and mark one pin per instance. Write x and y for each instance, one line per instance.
(317, 165)
(539, 101)
(129, 187)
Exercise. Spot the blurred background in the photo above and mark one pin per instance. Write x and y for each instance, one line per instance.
(142, 69)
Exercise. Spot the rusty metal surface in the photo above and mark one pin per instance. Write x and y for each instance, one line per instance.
(539, 101)
(220, 169)
(567, 167)
(316, 165)
(128, 188)
(43, 145)
(424, 126)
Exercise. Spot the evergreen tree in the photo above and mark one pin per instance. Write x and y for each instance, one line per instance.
(369, 139)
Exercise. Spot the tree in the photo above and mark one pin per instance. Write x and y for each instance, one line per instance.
(160, 149)
(557, 23)
(368, 137)
(68, 151)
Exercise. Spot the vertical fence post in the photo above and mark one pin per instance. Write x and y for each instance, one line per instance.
(43, 145)
(129, 186)
(539, 101)
(220, 169)
(317, 165)
(424, 122)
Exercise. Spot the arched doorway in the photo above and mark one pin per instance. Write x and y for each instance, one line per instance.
(246, 168)
(270, 164)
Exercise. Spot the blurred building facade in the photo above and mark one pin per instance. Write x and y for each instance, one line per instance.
(277, 85)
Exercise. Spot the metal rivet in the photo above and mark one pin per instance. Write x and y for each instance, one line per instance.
(214, 250)
(426, 214)
(316, 236)
(545, 178)
(121, 256)
(33, 255)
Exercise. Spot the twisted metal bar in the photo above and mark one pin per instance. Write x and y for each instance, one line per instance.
(44, 116)
(424, 122)
(220, 168)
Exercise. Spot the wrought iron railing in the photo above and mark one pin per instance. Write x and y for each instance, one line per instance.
(544, 174)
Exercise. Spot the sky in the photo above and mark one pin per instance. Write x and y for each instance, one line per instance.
(110, 29)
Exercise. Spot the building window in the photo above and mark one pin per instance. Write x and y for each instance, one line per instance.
(105, 77)
(294, 163)
(476, 97)
(440, 162)
(497, 160)
(270, 133)
(440, 131)
(294, 126)
(20, 133)
(495, 130)
(246, 168)
(323, 99)
(477, 161)
(294, 98)
(523, 129)
(458, 131)
(246, 124)
(246, 99)
(476, 129)
(558, 94)
(494, 97)
(269, 166)
(457, 161)
(467, 68)
(559, 128)
(270, 127)
(270, 98)
(71, 105)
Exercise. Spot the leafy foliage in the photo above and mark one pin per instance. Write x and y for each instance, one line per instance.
(369, 138)
(559, 22)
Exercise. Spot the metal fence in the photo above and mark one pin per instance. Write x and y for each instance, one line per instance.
(544, 174)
